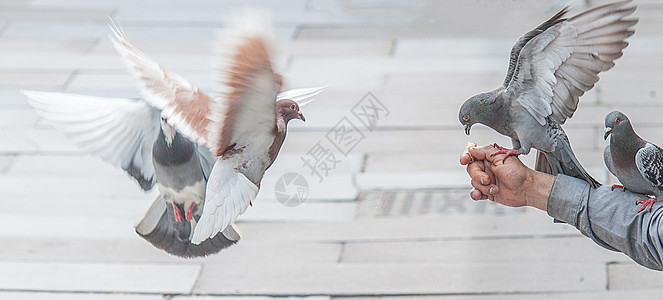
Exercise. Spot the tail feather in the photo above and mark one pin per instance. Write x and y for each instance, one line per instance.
(564, 161)
(159, 227)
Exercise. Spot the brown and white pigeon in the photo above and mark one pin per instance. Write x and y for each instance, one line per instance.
(243, 126)
(638, 164)
(134, 135)
(550, 68)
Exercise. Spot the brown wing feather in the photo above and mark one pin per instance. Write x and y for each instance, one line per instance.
(252, 88)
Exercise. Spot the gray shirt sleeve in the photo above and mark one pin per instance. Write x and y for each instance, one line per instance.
(610, 218)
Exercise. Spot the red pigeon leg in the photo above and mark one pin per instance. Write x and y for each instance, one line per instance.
(189, 212)
(177, 213)
(649, 202)
(508, 152)
(617, 186)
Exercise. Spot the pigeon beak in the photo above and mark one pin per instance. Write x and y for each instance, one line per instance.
(606, 132)
(301, 117)
(467, 128)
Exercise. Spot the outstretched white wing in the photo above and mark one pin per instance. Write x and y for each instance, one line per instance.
(228, 195)
(121, 131)
(301, 96)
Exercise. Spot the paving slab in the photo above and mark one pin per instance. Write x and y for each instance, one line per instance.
(565, 250)
(409, 228)
(455, 46)
(34, 79)
(55, 30)
(387, 278)
(414, 180)
(75, 296)
(70, 226)
(133, 249)
(247, 298)
(594, 295)
(98, 277)
(58, 15)
(311, 212)
(17, 118)
(629, 276)
(338, 47)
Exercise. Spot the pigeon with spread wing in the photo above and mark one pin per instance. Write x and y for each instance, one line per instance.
(206, 155)
(550, 68)
(243, 125)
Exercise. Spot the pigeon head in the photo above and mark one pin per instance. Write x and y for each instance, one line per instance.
(477, 109)
(168, 131)
(616, 123)
(289, 110)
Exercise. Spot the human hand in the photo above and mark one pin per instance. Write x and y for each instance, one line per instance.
(510, 183)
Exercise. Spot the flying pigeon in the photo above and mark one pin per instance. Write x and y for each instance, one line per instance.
(196, 186)
(243, 125)
(550, 68)
(637, 164)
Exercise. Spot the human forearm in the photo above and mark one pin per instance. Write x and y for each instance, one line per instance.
(609, 218)
(539, 186)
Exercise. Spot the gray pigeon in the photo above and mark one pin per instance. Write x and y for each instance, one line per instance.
(550, 68)
(200, 193)
(637, 164)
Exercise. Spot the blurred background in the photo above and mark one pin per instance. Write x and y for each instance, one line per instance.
(385, 214)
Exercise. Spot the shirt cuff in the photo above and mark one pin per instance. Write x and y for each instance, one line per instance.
(565, 200)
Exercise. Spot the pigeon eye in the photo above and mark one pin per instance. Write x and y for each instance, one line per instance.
(617, 121)
(292, 106)
(466, 118)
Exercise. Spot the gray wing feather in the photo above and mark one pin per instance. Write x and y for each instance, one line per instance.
(607, 159)
(649, 160)
(207, 160)
(557, 66)
(515, 51)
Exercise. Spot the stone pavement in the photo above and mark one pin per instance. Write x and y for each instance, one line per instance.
(391, 219)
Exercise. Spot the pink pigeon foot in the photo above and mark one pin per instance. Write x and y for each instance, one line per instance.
(508, 153)
(617, 186)
(177, 213)
(649, 202)
(189, 212)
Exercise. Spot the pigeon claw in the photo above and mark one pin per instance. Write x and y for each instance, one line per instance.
(617, 186)
(189, 212)
(177, 213)
(508, 153)
(649, 202)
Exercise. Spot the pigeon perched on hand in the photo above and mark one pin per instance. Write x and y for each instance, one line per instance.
(550, 68)
(195, 185)
(637, 164)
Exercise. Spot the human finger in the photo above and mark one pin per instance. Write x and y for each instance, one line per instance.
(481, 153)
(477, 195)
(477, 172)
(466, 158)
(485, 189)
